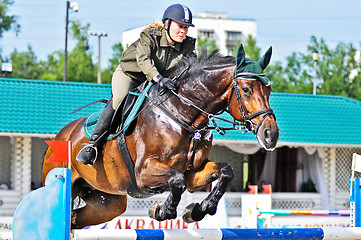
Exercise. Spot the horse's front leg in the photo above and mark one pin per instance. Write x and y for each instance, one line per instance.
(209, 172)
(158, 175)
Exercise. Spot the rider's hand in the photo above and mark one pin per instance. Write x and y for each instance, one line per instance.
(167, 83)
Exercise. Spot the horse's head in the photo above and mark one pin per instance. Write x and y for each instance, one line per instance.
(206, 83)
(249, 99)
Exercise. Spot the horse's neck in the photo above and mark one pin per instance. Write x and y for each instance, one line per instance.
(204, 97)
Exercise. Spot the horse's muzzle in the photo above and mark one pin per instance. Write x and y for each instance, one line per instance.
(268, 138)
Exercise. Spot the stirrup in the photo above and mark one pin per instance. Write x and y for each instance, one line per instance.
(90, 145)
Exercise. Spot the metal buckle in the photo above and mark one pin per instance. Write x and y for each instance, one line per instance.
(197, 135)
(249, 125)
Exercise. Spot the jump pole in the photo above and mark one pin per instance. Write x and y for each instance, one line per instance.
(306, 212)
(218, 234)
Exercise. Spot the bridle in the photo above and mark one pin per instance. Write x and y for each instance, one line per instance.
(249, 125)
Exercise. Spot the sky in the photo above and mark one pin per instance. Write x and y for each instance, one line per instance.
(285, 25)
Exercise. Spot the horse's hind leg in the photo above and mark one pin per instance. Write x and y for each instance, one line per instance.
(100, 207)
(207, 174)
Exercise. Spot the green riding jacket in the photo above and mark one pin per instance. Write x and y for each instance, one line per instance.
(151, 55)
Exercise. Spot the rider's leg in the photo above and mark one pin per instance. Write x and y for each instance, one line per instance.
(120, 87)
(121, 84)
(88, 154)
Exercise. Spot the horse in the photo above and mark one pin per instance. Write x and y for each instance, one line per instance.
(170, 141)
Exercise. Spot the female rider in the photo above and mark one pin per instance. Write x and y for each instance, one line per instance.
(152, 57)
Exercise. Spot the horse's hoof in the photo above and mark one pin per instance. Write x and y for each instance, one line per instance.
(190, 213)
(153, 211)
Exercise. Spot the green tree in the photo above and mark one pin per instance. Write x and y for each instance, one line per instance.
(54, 66)
(113, 63)
(7, 22)
(252, 51)
(80, 65)
(207, 44)
(25, 64)
(116, 56)
(338, 70)
(274, 71)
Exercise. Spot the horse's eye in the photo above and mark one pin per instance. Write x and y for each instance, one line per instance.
(246, 90)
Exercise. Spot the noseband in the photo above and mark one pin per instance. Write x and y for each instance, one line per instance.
(249, 125)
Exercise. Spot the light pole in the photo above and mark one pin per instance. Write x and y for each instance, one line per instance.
(99, 35)
(75, 7)
(315, 56)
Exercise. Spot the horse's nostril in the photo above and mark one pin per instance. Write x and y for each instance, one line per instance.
(267, 135)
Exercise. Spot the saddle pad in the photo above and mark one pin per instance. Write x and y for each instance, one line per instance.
(91, 121)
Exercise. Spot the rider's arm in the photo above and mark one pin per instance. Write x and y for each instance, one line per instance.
(144, 56)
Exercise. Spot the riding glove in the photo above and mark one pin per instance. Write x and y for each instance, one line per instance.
(167, 83)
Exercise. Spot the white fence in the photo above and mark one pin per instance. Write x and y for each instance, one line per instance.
(9, 200)
(139, 207)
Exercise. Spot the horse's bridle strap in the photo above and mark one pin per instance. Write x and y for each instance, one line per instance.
(246, 116)
(268, 111)
(263, 118)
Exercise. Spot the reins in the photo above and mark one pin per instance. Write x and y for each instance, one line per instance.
(211, 117)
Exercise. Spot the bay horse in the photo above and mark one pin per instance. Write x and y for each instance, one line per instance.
(162, 143)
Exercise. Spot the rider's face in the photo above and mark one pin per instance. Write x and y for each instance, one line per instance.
(178, 31)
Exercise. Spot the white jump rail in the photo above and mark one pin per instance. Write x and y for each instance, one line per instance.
(219, 234)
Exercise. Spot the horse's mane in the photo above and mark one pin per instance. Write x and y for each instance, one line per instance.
(190, 71)
(204, 60)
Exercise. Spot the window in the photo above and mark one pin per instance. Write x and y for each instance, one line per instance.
(38, 150)
(230, 51)
(234, 36)
(209, 34)
(5, 163)
(233, 40)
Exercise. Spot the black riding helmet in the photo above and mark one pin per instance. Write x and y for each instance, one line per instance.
(178, 13)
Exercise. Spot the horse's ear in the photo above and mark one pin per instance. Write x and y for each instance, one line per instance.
(265, 59)
(240, 57)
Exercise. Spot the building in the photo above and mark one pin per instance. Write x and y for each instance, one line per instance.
(227, 33)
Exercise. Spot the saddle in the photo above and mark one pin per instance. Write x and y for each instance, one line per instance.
(124, 115)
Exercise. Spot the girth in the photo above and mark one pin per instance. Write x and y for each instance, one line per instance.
(133, 189)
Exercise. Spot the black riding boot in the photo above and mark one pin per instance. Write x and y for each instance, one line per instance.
(89, 153)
